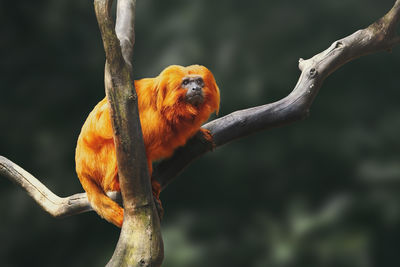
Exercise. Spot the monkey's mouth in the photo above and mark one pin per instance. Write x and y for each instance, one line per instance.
(195, 98)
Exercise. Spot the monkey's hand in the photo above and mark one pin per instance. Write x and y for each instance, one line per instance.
(206, 137)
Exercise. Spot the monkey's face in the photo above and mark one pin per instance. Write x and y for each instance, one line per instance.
(190, 91)
(194, 89)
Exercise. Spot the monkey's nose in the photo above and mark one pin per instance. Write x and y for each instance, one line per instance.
(196, 89)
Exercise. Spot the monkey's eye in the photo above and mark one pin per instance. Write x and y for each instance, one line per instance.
(199, 81)
(185, 82)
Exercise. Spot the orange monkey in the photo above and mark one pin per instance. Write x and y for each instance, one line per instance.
(172, 107)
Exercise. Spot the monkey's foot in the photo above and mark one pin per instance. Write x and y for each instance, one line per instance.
(159, 207)
(156, 188)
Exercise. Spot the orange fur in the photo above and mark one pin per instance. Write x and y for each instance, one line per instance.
(167, 120)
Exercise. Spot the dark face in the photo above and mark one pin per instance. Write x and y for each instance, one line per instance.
(194, 86)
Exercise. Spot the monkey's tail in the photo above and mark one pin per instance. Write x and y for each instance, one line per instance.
(101, 203)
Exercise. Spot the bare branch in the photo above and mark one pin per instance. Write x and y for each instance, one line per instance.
(140, 234)
(124, 112)
(140, 242)
(125, 28)
(379, 36)
(56, 206)
(110, 40)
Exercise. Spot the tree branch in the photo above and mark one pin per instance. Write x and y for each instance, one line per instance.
(232, 126)
(124, 28)
(140, 211)
(58, 207)
(379, 36)
(140, 242)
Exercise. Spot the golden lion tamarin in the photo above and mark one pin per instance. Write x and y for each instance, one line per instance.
(172, 107)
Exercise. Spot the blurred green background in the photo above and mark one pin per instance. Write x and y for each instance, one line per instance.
(320, 192)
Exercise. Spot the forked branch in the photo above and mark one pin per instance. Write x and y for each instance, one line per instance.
(140, 242)
(379, 36)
